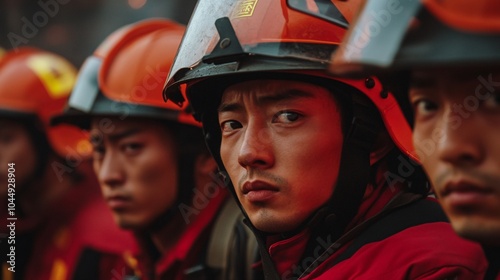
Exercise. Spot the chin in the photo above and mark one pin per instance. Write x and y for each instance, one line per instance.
(484, 232)
(128, 224)
(273, 225)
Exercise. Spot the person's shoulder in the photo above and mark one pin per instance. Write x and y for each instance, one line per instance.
(425, 251)
(428, 250)
(93, 226)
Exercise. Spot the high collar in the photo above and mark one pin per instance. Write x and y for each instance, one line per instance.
(189, 243)
(289, 254)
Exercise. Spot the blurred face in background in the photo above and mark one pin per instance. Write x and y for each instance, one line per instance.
(457, 133)
(16, 147)
(136, 165)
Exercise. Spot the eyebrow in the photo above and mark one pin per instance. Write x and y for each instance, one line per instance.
(287, 94)
(421, 81)
(95, 139)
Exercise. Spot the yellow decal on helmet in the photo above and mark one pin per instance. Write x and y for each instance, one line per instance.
(2, 52)
(245, 8)
(57, 75)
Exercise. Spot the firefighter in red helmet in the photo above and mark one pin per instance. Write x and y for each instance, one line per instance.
(151, 161)
(51, 189)
(322, 167)
(449, 50)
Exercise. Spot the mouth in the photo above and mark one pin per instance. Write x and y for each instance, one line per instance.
(259, 191)
(465, 193)
(118, 202)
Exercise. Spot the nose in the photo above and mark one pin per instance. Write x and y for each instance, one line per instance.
(256, 149)
(460, 144)
(109, 171)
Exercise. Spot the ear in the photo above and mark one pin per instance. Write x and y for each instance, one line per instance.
(205, 165)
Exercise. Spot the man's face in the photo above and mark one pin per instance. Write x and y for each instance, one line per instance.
(135, 163)
(15, 147)
(281, 146)
(457, 134)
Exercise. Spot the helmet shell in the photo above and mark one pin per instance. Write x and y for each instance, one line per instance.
(420, 34)
(125, 75)
(37, 83)
(227, 41)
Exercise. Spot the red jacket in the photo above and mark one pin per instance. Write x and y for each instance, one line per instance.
(189, 250)
(390, 248)
(77, 224)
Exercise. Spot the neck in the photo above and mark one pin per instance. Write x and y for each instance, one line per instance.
(167, 236)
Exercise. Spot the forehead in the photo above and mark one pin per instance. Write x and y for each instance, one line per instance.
(7, 124)
(456, 75)
(114, 126)
(271, 91)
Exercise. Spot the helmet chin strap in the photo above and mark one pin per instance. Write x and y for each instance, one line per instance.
(355, 164)
(344, 203)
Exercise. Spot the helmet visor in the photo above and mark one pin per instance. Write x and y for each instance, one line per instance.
(220, 31)
(86, 88)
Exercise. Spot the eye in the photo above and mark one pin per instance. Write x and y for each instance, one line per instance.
(493, 101)
(228, 126)
(132, 148)
(423, 107)
(98, 151)
(6, 137)
(286, 117)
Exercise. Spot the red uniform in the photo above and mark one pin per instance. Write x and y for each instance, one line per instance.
(182, 260)
(410, 242)
(76, 236)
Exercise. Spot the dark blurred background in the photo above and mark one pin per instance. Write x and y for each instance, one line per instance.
(74, 28)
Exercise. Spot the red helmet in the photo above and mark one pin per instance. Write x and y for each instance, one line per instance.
(37, 83)
(256, 37)
(230, 41)
(125, 76)
(424, 33)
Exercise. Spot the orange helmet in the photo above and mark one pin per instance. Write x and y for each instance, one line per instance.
(125, 75)
(425, 33)
(124, 78)
(230, 41)
(37, 83)
(271, 37)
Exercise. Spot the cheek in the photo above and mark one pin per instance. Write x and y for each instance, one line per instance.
(322, 156)
(158, 177)
(424, 145)
(225, 151)
(23, 155)
(229, 156)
